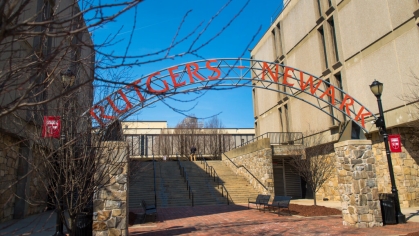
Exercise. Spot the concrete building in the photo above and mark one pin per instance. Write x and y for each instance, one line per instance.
(144, 138)
(349, 43)
(35, 56)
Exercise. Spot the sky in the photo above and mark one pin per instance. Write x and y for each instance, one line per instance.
(156, 24)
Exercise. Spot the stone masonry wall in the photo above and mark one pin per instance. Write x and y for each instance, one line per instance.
(35, 193)
(357, 182)
(330, 189)
(405, 166)
(259, 162)
(110, 214)
(8, 165)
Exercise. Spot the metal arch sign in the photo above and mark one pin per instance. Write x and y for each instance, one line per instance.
(226, 74)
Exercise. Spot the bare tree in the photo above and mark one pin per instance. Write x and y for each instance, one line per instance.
(209, 138)
(187, 132)
(316, 164)
(216, 141)
(165, 143)
(68, 170)
(43, 42)
(412, 98)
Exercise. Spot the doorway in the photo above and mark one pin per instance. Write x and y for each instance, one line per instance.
(286, 181)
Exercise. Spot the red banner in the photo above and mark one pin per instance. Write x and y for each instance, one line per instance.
(395, 143)
(51, 127)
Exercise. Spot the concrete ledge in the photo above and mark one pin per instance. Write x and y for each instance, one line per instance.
(252, 147)
(353, 142)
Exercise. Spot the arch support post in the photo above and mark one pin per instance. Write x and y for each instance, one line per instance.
(357, 183)
(110, 202)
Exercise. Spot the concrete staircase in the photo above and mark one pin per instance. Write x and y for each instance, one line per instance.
(141, 184)
(204, 189)
(170, 185)
(237, 186)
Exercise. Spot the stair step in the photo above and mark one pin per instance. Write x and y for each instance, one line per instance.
(171, 187)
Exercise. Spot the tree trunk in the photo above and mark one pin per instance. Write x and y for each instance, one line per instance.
(315, 200)
(72, 226)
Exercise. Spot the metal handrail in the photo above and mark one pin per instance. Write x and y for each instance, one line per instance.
(214, 174)
(242, 166)
(278, 138)
(154, 175)
(184, 174)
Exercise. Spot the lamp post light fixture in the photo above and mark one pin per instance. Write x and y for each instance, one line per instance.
(377, 89)
(67, 79)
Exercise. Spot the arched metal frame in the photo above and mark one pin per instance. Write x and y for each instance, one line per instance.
(223, 74)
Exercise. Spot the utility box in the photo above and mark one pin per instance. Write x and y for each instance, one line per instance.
(388, 208)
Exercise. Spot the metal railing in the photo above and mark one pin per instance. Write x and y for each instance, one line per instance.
(184, 174)
(213, 174)
(154, 175)
(285, 138)
(241, 166)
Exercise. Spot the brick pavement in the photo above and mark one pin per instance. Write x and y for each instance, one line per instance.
(238, 220)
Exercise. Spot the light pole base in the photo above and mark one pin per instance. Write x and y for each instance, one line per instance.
(401, 219)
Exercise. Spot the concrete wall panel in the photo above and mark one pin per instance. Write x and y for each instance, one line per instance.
(307, 56)
(266, 99)
(266, 51)
(306, 117)
(360, 24)
(407, 57)
(400, 11)
(269, 122)
(298, 23)
(381, 65)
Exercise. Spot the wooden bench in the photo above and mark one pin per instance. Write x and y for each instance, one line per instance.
(260, 201)
(148, 211)
(277, 203)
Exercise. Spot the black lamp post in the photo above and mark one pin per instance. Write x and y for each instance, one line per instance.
(377, 89)
(67, 79)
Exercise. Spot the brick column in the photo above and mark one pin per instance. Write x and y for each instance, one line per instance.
(110, 214)
(357, 183)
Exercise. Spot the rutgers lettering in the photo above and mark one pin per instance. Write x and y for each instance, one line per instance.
(161, 82)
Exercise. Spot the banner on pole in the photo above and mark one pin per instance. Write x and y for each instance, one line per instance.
(395, 143)
(51, 127)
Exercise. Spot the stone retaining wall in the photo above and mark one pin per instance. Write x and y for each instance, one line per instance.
(405, 166)
(257, 158)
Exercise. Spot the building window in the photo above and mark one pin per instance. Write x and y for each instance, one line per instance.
(329, 99)
(277, 42)
(319, 7)
(281, 123)
(323, 48)
(339, 85)
(332, 33)
(255, 106)
(287, 124)
(256, 129)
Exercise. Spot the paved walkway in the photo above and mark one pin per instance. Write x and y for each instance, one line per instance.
(238, 220)
(227, 220)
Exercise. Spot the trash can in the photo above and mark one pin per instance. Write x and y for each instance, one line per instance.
(84, 224)
(388, 208)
